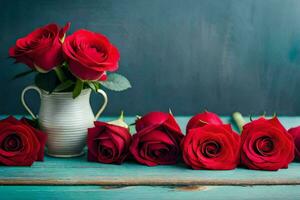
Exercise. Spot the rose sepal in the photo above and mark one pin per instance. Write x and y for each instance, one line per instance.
(120, 121)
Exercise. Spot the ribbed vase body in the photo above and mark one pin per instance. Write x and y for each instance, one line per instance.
(66, 121)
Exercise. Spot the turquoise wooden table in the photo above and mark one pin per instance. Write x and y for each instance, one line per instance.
(58, 178)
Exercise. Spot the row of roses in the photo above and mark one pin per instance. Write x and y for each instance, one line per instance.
(208, 144)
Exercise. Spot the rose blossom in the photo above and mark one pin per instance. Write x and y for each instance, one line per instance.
(295, 132)
(20, 144)
(266, 145)
(157, 141)
(108, 143)
(90, 54)
(211, 147)
(41, 49)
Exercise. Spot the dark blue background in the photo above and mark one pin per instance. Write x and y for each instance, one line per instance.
(222, 55)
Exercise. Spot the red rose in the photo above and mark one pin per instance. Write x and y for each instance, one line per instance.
(90, 54)
(21, 144)
(266, 145)
(295, 132)
(157, 141)
(202, 119)
(41, 49)
(211, 147)
(108, 143)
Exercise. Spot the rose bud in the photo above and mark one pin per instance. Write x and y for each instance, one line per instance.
(109, 142)
(157, 141)
(90, 54)
(295, 132)
(41, 49)
(20, 144)
(202, 119)
(266, 145)
(211, 147)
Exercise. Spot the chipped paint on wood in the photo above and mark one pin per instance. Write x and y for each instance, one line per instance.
(192, 188)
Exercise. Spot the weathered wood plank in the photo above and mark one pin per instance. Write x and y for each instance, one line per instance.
(148, 192)
(78, 171)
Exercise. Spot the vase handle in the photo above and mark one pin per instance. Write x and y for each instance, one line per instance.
(103, 105)
(31, 87)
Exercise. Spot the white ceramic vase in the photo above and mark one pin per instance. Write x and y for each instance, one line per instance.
(65, 120)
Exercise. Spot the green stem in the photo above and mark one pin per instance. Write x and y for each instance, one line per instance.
(239, 120)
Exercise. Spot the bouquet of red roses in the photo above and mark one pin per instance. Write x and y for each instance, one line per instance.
(69, 63)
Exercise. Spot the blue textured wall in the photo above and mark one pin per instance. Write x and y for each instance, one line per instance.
(223, 55)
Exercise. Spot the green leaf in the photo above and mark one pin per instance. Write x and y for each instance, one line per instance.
(47, 81)
(23, 74)
(97, 85)
(63, 86)
(65, 64)
(92, 86)
(116, 82)
(78, 88)
(60, 74)
(68, 74)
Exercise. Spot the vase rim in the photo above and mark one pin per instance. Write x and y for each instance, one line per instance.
(84, 91)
